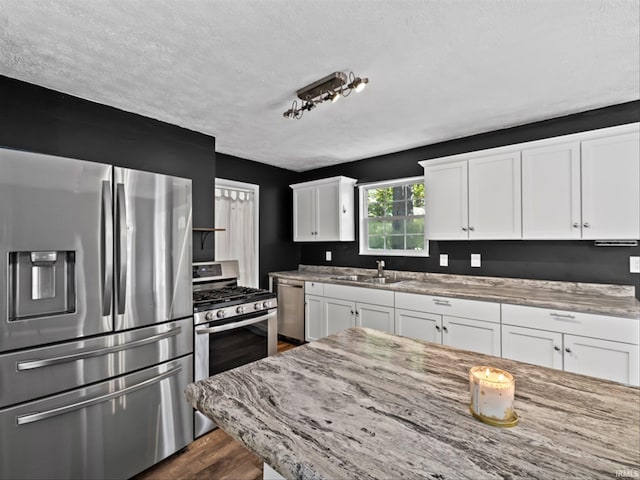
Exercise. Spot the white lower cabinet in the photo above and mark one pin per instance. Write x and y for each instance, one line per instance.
(313, 316)
(615, 361)
(531, 345)
(474, 335)
(436, 319)
(338, 315)
(375, 316)
(342, 307)
(596, 345)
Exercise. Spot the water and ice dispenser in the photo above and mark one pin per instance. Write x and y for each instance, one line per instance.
(41, 284)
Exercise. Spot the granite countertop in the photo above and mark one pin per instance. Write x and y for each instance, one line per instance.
(604, 299)
(366, 404)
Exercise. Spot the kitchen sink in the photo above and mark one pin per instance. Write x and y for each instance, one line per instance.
(382, 280)
(367, 279)
(353, 278)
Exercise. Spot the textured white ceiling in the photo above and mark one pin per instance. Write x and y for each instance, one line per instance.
(438, 69)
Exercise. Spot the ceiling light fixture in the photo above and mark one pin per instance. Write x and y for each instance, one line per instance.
(331, 87)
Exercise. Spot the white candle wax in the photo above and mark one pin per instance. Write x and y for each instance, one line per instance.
(492, 392)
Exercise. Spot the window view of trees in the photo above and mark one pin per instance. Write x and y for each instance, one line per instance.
(395, 217)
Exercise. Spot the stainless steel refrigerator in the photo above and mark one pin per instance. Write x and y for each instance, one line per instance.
(96, 328)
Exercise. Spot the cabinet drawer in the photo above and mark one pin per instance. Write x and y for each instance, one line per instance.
(455, 307)
(374, 296)
(585, 324)
(314, 288)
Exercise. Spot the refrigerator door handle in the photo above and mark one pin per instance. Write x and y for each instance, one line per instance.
(98, 352)
(106, 249)
(121, 249)
(37, 416)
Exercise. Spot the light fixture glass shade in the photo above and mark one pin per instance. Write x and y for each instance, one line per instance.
(360, 83)
(334, 97)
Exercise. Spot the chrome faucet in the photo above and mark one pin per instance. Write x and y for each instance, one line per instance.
(380, 268)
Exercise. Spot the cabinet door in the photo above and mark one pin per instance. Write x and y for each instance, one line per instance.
(531, 345)
(551, 192)
(601, 358)
(446, 201)
(304, 219)
(611, 188)
(375, 316)
(495, 197)
(314, 327)
(328, 212)
(423, 326)
(473, 335)
(338, 315)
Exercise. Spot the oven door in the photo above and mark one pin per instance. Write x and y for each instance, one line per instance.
(225, 344)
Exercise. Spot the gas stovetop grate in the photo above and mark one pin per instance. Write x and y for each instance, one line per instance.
(223, 296)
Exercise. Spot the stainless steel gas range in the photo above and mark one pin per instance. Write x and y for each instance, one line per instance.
(234, 325)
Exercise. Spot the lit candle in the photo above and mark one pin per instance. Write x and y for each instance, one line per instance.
(492, 392)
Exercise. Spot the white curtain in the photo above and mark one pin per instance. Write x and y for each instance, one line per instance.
(235, 212)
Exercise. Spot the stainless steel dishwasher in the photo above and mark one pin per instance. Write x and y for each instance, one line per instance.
(290, 308)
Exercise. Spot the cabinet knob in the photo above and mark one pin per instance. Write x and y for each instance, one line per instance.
(576, 225)
(437, 328)
(556, 348)
(586, 225)
(352, 312)
(344, 209)
(471, 229)
(568, 350)
(445, 329)
(464, 229)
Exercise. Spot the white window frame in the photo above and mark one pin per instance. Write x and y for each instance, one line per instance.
(364, 244)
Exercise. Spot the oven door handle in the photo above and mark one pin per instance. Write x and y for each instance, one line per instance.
(231, 326)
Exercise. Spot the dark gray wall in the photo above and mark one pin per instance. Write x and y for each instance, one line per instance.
(548, 260)
(277, 250)
(40, 120)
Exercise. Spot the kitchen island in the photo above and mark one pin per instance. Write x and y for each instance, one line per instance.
(366, 404)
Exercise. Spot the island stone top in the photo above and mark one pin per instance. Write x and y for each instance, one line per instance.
(366, 404)
(604, 299)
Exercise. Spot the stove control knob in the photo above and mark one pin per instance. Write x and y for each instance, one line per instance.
(221, 314)
(240, 309)
(267, 304)
(258, 306)
(209, 316)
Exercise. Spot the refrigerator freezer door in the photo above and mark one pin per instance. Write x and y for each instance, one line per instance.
(55, 249)
(113, 429)
(152, 235)
(44, 371)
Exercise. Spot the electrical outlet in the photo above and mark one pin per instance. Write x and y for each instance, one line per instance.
(475, 259)
(327, 255)
(444, 260)
(634, 264)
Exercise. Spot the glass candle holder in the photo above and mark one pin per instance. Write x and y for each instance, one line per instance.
(492, 394)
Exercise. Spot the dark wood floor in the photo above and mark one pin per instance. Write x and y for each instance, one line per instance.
(214, 456)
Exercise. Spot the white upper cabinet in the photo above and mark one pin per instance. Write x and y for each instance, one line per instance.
(446, 200)
(494, 197)
(323, 210)
(579, 186)
(475, 199)
(551, 192)
(611, 187)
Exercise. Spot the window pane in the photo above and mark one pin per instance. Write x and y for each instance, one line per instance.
(415, 242)
(376, 243)
(395, 242)
(399, 209)
(376, 227)
(415, 225)
(395, 227)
